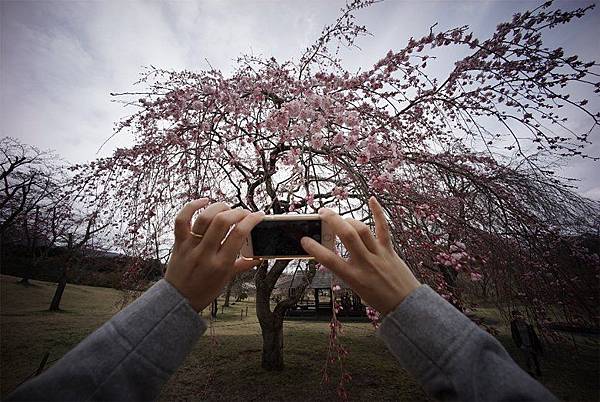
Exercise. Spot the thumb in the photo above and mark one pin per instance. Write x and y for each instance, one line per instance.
(326, 257)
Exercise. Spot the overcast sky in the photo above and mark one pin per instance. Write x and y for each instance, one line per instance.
(60, 60)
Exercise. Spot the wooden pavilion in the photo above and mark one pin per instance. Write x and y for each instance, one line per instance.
(316, 302)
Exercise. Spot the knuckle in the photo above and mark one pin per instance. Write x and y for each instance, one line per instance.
(223, 205)
(236, 232)
(329, 260)
(346, 232)
(202, 221)
(363, 229)
(221, 218)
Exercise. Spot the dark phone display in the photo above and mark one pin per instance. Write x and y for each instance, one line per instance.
(271, 238)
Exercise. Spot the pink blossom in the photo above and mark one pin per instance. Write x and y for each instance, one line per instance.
(317, 140)
(382, 182)
(294, 108)
(475, 277)
(352, 120)
(340, 193)
(338, 139)
(363, 157)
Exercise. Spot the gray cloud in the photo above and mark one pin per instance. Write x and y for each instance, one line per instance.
(60, 60)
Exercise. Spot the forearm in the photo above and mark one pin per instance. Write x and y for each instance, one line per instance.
(452, 357)
(129, 357)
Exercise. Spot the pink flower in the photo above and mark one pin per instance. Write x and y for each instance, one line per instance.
(317, 140)
(338, 139)
(340, 193)
(352, 119)
(291, 157)
(298, 132)
(382, 182)
(475, 277)
(293, 108)
(363, 157)
(336, 288)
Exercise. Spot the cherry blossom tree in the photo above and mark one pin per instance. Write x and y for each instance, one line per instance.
(463, 162)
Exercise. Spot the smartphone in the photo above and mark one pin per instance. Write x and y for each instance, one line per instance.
(278, 237)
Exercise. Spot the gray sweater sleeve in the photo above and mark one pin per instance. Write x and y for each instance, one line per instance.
(128, 358)
(451, 356)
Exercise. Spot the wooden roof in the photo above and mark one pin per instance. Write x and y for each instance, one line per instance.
(322, 280)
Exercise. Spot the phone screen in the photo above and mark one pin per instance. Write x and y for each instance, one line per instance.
(272, 238)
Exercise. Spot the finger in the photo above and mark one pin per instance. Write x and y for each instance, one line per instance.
(327, 258)
(365, 234)
(219, 227)
(382, 229)
(233, 244)
(203, 220)
(346, 233)
(242, 265)
(184, 218)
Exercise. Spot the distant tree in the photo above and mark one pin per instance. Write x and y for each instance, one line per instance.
(78, 233)
(31, 199)
(38, 211)
(462, 161)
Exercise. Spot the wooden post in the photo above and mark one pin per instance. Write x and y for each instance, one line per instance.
(246, 311)
(241, 315)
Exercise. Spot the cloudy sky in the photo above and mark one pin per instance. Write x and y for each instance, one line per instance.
(59, 60)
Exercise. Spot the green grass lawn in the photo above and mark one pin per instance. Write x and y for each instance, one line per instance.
(226, 365)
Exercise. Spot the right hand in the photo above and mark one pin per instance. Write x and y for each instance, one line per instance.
(374, 270)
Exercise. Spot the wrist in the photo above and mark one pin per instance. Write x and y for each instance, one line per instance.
(194, 304)
(400, 296)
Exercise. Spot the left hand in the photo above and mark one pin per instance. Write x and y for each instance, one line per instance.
(199, 268)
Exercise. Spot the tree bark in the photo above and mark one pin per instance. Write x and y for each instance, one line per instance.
(62, 282)
(272, 353)
(214, 309)
(60, 289)
(228, 292)
(271, 322)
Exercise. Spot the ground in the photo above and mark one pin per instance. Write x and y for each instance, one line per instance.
(226, 366)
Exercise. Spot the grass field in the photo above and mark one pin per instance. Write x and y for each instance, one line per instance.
(226, 365)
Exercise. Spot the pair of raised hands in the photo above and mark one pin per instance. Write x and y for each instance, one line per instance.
(205, 256)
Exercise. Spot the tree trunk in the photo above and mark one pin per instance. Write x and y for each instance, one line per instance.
(228, 293)
(25, 279)
(28, 273)
(271, 322)
(214, 309)
(60, 289)
(1, 249)
(272, 353)
(271, 326)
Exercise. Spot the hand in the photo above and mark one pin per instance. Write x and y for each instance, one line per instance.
(374, 270)
(200, 267)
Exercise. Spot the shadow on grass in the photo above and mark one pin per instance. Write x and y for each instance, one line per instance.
(231, 371)
(571, 374)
